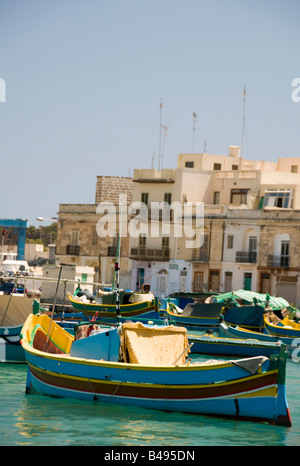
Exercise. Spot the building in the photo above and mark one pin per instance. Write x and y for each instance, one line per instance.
(77, 240)
(250, 231)
(249, 236)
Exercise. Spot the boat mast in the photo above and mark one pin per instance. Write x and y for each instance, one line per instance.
(117, 262)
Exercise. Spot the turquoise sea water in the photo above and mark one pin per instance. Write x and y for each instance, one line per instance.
(36, 420)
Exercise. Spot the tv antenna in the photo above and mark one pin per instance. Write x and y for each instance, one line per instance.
(194, 129)
(164, 128)
(245, 95)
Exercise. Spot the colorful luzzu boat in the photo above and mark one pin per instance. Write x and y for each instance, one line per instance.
(229, 331)
(282, 328)
(148, 308)
(202, 315)
(148, 367)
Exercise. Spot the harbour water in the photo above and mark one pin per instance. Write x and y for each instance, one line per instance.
(34, 420)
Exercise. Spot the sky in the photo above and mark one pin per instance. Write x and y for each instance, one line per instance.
(84, 80)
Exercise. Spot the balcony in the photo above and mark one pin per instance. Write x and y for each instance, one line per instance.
(73, 250)
(200, 256)
(150, 254)
(246, 257)
(278, 261)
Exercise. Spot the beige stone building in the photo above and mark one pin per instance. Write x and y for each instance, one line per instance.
(78, 242)
(250, 229)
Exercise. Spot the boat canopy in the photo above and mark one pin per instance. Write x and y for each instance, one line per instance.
(202, 310)
(252, 298)
(153, 345)
(14, 310)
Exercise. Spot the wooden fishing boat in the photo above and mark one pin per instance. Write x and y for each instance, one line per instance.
(13, 312)
(229, 331)
(148, 367)
(148, 307)
(281, 328)
(202, 315)
(10, 349)
(226, 346)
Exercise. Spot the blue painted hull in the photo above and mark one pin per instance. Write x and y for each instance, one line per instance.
(231, 388)
(11, 350)
(231, 347)
(228, 331)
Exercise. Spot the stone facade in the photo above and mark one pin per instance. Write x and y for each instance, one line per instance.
(110, 188)
(78, 242)
(250, 230)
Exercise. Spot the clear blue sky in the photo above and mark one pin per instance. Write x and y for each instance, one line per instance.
(84, 79)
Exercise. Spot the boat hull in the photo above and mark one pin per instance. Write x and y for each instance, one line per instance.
(146, 308)
(284, 331)
(253, 397)
(229, 331)
(209, 344)
(11, 350)
(231, 388)
(192, 321)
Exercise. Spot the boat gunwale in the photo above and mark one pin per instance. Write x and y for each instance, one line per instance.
(66, 357)
(123, 365)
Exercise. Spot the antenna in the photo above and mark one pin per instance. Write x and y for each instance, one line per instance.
(194, 128)
(245, 95)
(159, 152)
(165, 128)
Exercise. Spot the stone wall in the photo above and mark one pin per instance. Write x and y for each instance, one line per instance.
(109, 188)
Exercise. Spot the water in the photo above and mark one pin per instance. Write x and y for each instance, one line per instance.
(42, 421)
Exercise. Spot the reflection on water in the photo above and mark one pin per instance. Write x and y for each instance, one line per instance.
(41, 420)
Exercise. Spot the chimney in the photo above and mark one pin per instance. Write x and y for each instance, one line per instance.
(234, 151)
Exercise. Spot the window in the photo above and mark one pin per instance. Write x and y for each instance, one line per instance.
(168, 198)
(165, 242)
(217, 197)
(217, 166)
(140, 278)
(94, 237)
(235, 167)
(278, 198)
(228, 281)
(189, 164)
(239, 196)
(229, 241)
(285, 252)
(144, 198)
(75, 238)
(294, 168)
(142, 241)
(198, 281)
(252, 248)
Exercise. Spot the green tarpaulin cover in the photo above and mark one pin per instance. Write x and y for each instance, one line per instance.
(252, 298)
